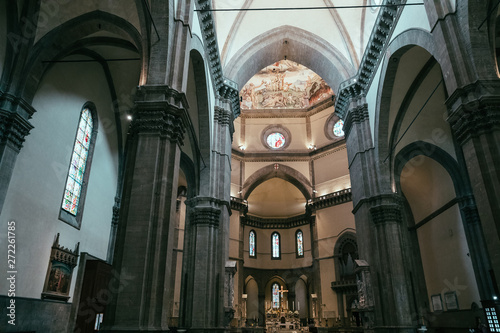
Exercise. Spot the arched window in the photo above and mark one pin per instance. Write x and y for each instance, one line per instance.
(275, 246)
(276, 295)
(79, 168)
(252, 243)
(299, 244)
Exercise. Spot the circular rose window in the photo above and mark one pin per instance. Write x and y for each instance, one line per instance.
(337, 128)
(275, 140)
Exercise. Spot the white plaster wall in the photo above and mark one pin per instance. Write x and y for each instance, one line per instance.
(318, 121)
(430, 125)
(446, 260)
(443, 246)
(36, 189)
(252, 167)
(331, 166)
(332, 222)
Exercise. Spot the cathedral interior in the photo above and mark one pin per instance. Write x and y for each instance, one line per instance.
(250, 166)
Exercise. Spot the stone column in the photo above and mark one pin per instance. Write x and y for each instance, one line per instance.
(206, 247)
(143, 253)
(14, 127)
(475, 120)
(378, 225)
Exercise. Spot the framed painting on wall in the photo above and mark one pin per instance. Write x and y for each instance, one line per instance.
(60, 272)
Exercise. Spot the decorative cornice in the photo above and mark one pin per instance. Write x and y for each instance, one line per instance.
(347, 286)
(284, 223)
(13, 129)
(290, 155)
(332, 199)
(386, 213)
(209, 35)
(381, 33)
(288, 113)
(239, 204)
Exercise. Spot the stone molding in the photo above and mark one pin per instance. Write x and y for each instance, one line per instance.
(475, 119)
(161, 110)
(356, 115)
(288, 113)
(284, 223)
(379, 38)
(229, 91)
(13, 129)
(208, 202)
(238, 204)
(222, 116)
(206, 216)
(158, 122)
(332, 199)
(386, 213)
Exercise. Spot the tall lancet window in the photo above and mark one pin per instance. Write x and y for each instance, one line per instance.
(299, 242)
(252, 244)
(76, 182)
(275, 246)
(276, 296)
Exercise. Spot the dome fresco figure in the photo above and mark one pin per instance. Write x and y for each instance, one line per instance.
(249, 166)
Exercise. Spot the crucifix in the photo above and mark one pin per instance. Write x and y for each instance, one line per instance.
(281, 291)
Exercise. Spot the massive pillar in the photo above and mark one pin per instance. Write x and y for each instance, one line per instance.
(206, 245)
(379, 228)
(475, 120)
(145, 236)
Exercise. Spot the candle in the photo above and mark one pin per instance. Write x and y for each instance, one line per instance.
(293, 305)
(298, 305)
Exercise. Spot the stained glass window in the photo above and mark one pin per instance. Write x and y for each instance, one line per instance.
(276, 140)
(337, 128)
(276, 296)
(251, 242)
(300, 244)
(78, 163)
(276, 245)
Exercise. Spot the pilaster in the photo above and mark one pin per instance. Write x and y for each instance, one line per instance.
(474, 117)
(146, 230)
(378, 217)
(203, 266)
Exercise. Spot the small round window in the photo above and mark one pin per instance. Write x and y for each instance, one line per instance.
(275, 140)
(337, 128)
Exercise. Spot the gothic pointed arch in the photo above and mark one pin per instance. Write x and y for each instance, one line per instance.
(280, 171)
(309, 50)
(64, 36)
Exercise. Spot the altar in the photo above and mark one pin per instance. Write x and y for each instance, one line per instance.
(282, 321)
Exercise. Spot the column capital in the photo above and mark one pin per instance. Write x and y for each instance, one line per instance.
(357, 114)
(386, 213)
(474, 110)
(13, 129)
(223, 116)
